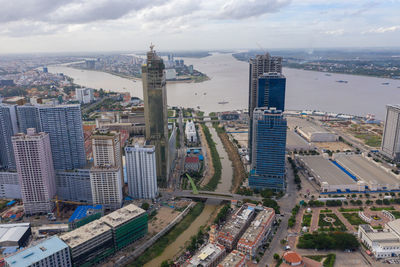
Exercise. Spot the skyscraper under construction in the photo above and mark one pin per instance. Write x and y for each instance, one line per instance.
(155, 111)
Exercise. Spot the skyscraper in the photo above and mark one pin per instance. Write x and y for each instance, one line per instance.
(391, 135)
(155, 111)
(106, 178)
(141, 171)
(28, 117)
(269, 145)
(260, 65)
(8, 127)
(63, 123)
(35, 171)
(271, 91)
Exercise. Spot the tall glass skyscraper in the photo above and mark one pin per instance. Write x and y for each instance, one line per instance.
(269, 145)
(28, 117)
(391, 135)
(260, 65)
(155, 111)
(271, 91)
(8, 128)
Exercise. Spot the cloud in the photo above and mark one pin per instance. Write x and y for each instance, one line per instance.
(335, 32)
(383, 29)
(241, 9)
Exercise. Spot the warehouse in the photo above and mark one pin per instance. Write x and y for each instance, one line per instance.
(14, 235)
(295, 142)
(367, 170)
(310, 131)
(330, 177)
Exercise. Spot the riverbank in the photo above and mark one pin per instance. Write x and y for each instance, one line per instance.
(161, 244)
(239, 173)
(216, 161)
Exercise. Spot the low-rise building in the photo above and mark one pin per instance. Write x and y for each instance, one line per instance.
(382, 244)
(192, 164)
(291, 258)
(257, 232)
(15, 234)
(190, 132)
(90, 243)
(234, 259)
(233, 229)
(128, 224)
(50, 252)
(209, 256)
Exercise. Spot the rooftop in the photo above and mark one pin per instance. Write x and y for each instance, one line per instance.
(295, 141)
(238, 220)
(84, 233)
(304, 125)
(122, 215)
(84, 211)
(12, 232)
(326, 170)
(365, 170)
(255, 230)
(206, 255)
(36, 253)
(291, 257)
(233, 259)
(191, 160)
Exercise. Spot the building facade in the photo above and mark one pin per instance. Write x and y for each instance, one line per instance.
(84, 95)
(271, 91)
(269, 148)
(106, 176)
(74, 185)
(63, 123)
(391, 135)
(35, 169)
(28, 117)
(259, 65)
(8, 128)
(9, 185)
(141, 171)
(155, 111)
(50, 252)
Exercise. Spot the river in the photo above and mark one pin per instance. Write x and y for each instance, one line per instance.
(229, 82)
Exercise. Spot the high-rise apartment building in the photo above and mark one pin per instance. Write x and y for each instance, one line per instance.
(84, 95)
(260, 65)
(391, 135)
(106, 177)
(63, 123)
(8, 128)
(269, 145)
(35, 171)
(155, 111)
(141, 171)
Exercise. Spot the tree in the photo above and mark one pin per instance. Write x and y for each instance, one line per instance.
(145, 206)
(276, 256)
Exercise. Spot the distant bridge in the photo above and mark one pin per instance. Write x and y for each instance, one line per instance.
(213, 195)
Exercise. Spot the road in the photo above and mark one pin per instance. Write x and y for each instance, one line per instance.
(286, 203)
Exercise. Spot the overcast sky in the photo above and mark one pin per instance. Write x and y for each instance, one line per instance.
(109, 25)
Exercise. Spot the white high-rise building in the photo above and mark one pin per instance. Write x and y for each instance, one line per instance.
(35, 169)
(190, 132)
(84, 95)
(106, 177)
(141, 171)
(391, 135)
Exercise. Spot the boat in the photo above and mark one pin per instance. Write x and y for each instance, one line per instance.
(385, 83)
(341, 81)
(198, 107)
(327, 74)
(204, 93)
(223, 102)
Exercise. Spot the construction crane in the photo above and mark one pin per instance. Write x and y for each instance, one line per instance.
(57, 201)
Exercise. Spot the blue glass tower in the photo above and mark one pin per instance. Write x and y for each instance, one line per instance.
(268, 151)
(271, 91)
(8, 128)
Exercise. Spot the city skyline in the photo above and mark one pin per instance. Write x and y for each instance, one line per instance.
(47, 26)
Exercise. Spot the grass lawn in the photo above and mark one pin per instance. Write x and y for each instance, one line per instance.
(370, 139)
(353, 218)
(395, 213)
(349, 210)
(326, 211)
(382, 208)
(324, 225)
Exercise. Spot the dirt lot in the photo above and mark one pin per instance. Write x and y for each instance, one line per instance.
(164, 216)
(333, 146)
